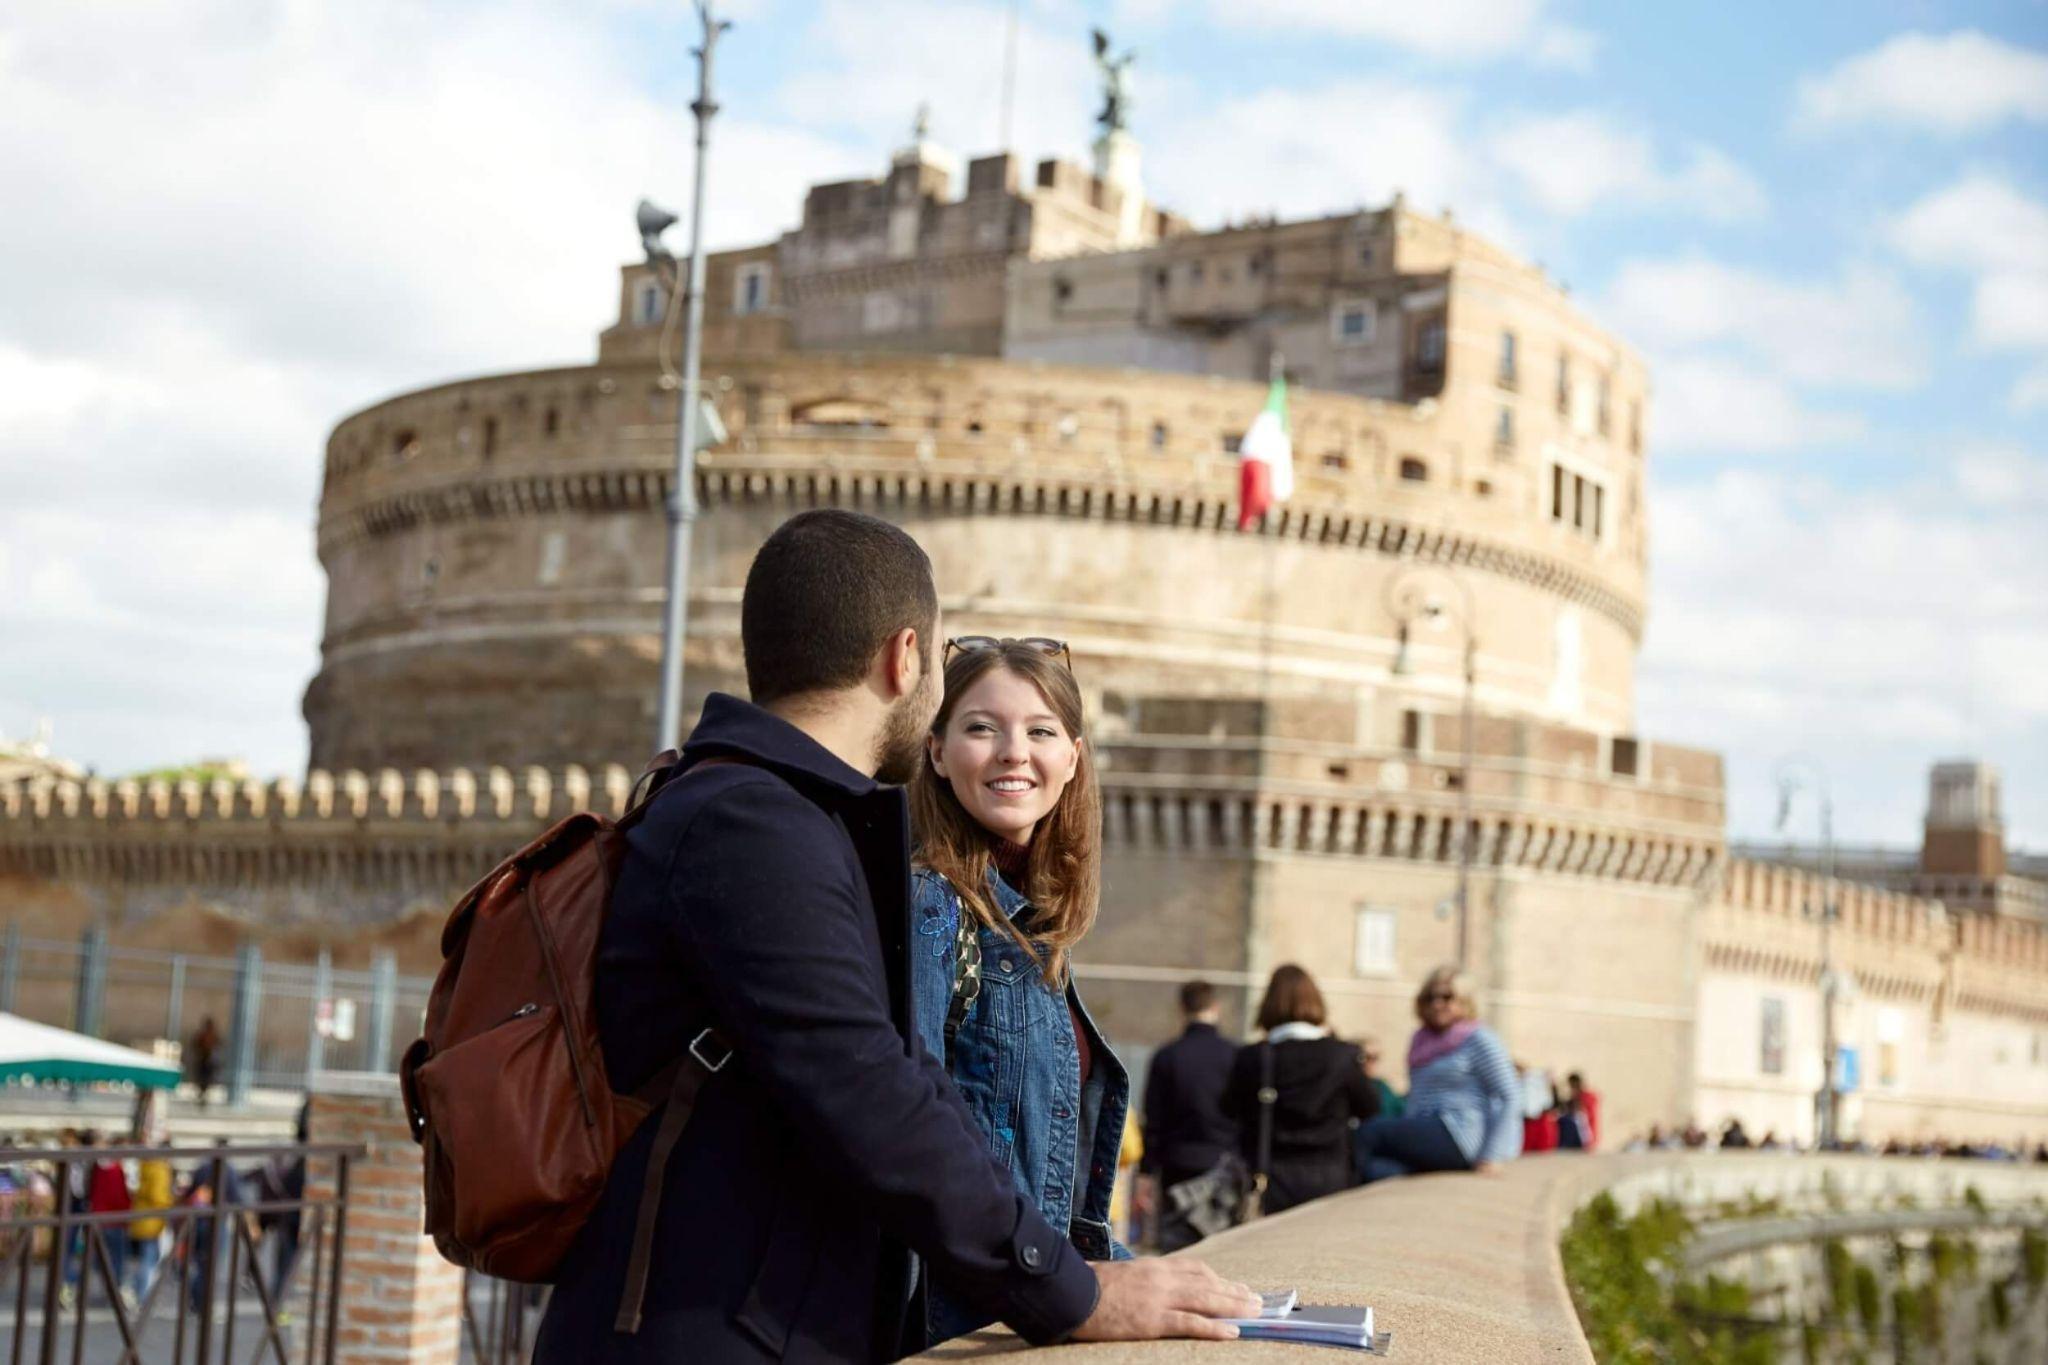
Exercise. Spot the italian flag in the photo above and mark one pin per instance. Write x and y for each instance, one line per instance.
(1265, 459)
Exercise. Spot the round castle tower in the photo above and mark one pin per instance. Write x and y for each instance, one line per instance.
(1054, 418)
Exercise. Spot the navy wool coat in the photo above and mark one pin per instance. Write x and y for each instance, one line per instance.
(771, 898)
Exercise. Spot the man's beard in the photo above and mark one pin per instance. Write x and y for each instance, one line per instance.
(900, 746)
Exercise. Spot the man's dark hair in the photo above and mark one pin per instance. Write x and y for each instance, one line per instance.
(1196, 996)
(826, 591)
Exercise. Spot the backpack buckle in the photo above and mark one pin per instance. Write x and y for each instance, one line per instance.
(696, 1046)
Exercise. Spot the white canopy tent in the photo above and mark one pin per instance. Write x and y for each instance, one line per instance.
(38, 1052)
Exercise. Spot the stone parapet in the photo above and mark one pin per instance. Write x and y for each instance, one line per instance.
(1465, 1270)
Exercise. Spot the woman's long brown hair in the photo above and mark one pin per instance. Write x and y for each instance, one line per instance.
(1063, 876)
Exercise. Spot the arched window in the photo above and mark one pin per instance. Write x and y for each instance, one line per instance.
(1413, 470)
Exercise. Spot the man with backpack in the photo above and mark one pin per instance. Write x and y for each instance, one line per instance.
(758, 924)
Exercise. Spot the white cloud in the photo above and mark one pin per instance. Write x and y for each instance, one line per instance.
(1878, 629)
(1449, 30)
(868, 64)
(230, 223)
(1714, 405)
(1985, 227)
(1951, 84)
(1859, 331)
(1579, 162)
(1299, 152)
(2030, 391)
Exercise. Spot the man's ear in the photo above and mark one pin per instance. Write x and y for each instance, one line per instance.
(902, 663)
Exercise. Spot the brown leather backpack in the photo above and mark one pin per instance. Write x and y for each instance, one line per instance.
(507, 1090)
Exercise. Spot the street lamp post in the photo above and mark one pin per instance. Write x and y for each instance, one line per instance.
(682, 497)
(1792, 774)
(1407, 601)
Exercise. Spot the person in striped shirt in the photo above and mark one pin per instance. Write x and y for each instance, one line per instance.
(1463, 1111)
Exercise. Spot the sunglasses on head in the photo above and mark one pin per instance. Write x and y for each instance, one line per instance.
(971, 644)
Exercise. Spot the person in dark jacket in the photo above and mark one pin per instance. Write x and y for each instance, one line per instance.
(1186, 1130)
(1319, 1086)
(767, 896)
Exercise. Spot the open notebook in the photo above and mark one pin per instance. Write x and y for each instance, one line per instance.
(1282, 1317)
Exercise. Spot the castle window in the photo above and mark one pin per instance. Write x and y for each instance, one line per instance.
(490, 437)
(1606, 386)
(1365, 255)
(653, 302)
(1159, 435)
(1233, 442)
(551, 424)
(1504, 429)
(1624, 756)
(1413, 470)
(1578, 502)
(1062, 291)
(1564, 384)
(1196, 271)
(430, 571)
(1771, 1037)
(1429, 345)
(1160, 278)
(1411, 732)
(1336, 459)
(1507, 375)
(750, 288)
(1353, 322)
(1372, 951)
(1483, 487)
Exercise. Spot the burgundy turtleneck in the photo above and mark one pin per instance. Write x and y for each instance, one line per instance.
(1012, 860)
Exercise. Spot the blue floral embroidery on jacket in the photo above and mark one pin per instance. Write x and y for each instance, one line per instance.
(941, 924)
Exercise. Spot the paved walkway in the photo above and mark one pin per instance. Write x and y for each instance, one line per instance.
(1460, 1268)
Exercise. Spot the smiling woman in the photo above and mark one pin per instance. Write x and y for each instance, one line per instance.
(1009, 830)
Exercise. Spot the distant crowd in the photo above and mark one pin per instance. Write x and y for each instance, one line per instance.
(1732, 1136)
(151, 1245)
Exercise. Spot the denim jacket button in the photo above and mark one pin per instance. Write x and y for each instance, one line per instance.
(1008, 963)
(1030, 1258)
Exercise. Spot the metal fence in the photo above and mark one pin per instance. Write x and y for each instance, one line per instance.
(206, 1286)
(279, 1021)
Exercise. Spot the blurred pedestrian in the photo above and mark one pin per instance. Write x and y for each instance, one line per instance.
(1294, 1095)
(1392, 1106)
(204, 1064)
(1186, 1131)
(1464, 1098)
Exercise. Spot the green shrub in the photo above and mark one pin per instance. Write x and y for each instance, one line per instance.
(1869, 1299)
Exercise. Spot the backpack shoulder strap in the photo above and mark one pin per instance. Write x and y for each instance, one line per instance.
(966, 972)
(706, 1056)
(680, 1082)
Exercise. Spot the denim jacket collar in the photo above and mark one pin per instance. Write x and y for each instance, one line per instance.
(1008, 898)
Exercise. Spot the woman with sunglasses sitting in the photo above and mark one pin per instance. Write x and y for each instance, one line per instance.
(1464, 1107)
(1008, 825)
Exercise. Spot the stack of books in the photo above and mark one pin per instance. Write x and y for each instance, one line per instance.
(1282, 1317)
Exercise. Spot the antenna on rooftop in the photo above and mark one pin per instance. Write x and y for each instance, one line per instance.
(1009, 110)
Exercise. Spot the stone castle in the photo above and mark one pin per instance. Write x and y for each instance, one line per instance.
(1044, 377)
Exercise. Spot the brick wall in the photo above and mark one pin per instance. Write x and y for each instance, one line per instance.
(400, 1302)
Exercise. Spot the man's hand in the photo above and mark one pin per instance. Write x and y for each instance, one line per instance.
(1174, 1297)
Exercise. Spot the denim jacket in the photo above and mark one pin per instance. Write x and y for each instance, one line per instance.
(1015, 1065)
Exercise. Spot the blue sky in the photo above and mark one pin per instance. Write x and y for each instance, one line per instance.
(1826, 226)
